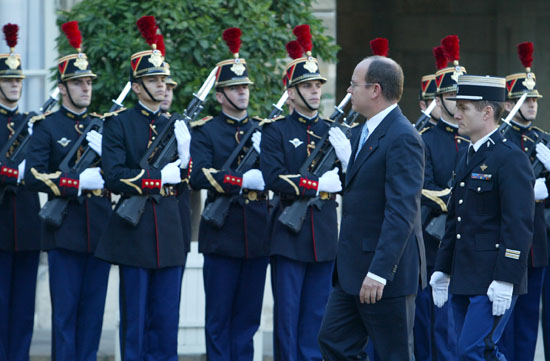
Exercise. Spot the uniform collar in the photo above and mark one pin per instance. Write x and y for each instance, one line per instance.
(300, 118)
(521, 128)
(234, 121)
(146, 112)
(488, 140)
(74, 116)
(447, 127)
(7, 112)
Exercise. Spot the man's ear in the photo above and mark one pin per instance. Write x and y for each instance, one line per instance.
(508, 106)
(136, 88)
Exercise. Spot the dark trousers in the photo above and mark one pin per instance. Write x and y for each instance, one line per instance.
(477, 329)
(434, 330)
(149, 313)
(300, 293)
(78, 286)
(234, 292)
(17, 296)
(519, 339)
(348, 324)
(546, 313)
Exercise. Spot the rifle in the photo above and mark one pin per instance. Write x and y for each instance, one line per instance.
(55, 209)
(321, 160)
(425, 116)
(215, 212)
(162, 151)
(13, 152)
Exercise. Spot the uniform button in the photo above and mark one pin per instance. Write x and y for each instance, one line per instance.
(458, 141)
(462, 184)
(497, 245)
(460, 201)
(152, 138)
(526, 149)
(459, 219)
(479, 189)
(89, 195)
(81, 126)
(246, 201)
(458, 236)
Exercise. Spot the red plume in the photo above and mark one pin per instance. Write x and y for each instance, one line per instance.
(451, 47)
(294, 49)
(440, 58)
(160, 45)
(303, 35)
(147, 25)
(380, 46)
(10, 34)
(232, 37)
(73, 33)
(525, 52)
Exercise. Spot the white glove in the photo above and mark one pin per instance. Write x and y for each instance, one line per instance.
(183, 137)
(94, 141)
(256, 140)
(541, 192)
(500, 293)
(543, 154)
(29, 127)
(341, 145)
(253, 179)
(90, 178)
(170, 174)
(21, 171)
(440, 287)
(330, 182)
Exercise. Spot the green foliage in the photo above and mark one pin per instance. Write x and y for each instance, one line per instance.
(193, 37)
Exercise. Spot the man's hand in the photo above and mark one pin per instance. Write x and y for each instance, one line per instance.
(440, 288)
(543, 154)
(341, 145)
(500, 293)
(371, 291)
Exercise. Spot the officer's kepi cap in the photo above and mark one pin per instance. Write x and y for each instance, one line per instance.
(476, 88)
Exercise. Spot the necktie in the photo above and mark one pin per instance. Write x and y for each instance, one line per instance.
(471, 152)
(363, 139)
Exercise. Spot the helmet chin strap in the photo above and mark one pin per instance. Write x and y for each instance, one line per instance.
(230, 102)
(5, 96)
(301, 97)
(445, 107)
(147, 91)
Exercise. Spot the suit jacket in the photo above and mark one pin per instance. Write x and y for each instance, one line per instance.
(381, 230)
(490, 222)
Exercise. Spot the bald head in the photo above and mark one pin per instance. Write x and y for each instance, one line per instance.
(386, 72)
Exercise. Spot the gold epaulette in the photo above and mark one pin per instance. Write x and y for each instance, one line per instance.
(424, 130)
(39, 117)
(201, 122)
(269, 121)
(540, 130)
(112, 114)
(97, 115)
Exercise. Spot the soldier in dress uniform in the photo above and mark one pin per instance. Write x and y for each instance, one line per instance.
(78, 280)
(519, 339)
(301, 262)
(235, 254)
(484, 252)
(19, 244)
(151, 254)
(425, 97)
(435, 337)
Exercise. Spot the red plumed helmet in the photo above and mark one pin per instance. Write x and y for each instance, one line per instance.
(294, 49)
(379, 46)
(10, 34)
(451, 47)
(441, 61)
(73, 34)
(303, 36)
(525, 52)
(147, 25)
(232, 37)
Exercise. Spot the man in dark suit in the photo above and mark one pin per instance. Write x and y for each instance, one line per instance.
(482, 258)
(380, 252)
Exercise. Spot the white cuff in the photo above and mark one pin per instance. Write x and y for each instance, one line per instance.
(376, 278)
